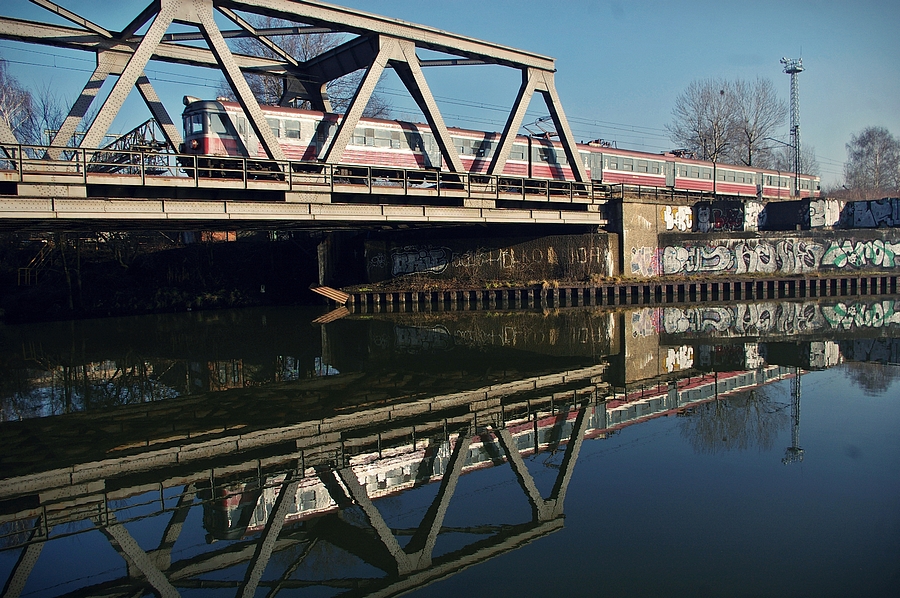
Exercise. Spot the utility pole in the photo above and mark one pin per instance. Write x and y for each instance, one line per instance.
(794, 67)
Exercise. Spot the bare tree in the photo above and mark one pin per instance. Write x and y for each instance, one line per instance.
(703, 119)
(783, 159)
(268, 89)
(16, 105)
(873, 163)
(758, 112)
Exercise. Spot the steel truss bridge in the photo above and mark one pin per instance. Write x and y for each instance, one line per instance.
(77, 181)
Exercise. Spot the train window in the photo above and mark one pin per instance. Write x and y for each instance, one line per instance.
(275, 125)
(643, 166)
(695, 172)
(241, 125)
(484, 149)
(706, 173)
(546, 154)
(292, 129)
(720, 175)
(217, 124)
(382, 137)
(414, 141)
(655, 168)
(194, 124)
(613, 163)
(518, 152)
(730, 176)
(627, 163)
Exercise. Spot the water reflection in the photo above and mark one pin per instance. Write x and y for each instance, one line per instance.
(253, 450)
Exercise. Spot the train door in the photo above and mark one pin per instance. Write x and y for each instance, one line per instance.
(596, 166)
(670, 173)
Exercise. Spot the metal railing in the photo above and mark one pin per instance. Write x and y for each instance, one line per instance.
(33, 164)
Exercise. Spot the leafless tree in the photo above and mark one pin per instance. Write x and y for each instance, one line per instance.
(872, 169)
(16, 104)
(783, 159)
(740, 422)
(728, 121)
(268, 89)
(703, 119)
(758, 113)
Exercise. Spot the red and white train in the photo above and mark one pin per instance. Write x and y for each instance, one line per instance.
(219, 128)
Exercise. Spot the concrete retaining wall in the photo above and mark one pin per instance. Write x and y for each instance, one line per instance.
(575, 257)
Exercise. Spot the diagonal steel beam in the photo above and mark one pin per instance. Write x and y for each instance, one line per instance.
(18, 577)
(534, 80)
(421, 545)
(163, 555)
(287, 498)
(413, 78)
(204, 16)
(249, 28)
(76, 39)
(551, 507)
(169, 129)
(353, 55)
(130, 74)
(344, 134)
(117, 533)
(6, 135)
(139, 21)
(513, 122)
(359, 22)
(106, 64)
(71, 16)
(554, 105)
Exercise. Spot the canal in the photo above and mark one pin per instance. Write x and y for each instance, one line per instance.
(740, 449)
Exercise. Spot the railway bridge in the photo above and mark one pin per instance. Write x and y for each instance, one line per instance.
(76, 182)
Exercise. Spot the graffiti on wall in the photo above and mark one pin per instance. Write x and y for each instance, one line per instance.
(697, 258)
(786, 256)
(560, 256)
(679, 358)
(824, 212)
(678, 218)
(417, 258)
(872, 214)
(645, 322)
(861, 254)
(754, 215)
(847, 316)
(644, 261)
(720, 216)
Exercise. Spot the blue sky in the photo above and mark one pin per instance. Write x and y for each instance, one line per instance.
(620, 64)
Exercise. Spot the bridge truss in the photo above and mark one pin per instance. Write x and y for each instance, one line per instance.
(377, 43)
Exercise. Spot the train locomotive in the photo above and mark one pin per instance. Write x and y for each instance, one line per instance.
(219, 131)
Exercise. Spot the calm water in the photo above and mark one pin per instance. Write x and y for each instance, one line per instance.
(739, 450)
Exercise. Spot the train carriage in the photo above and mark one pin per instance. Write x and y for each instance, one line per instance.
(218, 130)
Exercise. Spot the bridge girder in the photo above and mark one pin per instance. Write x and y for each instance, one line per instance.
(383, 42)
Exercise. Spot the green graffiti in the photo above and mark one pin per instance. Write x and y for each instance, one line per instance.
(861, 315)
(861, 254)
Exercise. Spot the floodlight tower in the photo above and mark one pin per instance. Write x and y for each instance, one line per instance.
(794, 67)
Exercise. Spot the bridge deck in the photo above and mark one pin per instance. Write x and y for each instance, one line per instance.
(147, 187)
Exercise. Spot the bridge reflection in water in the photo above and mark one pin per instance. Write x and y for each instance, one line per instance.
(173, 497)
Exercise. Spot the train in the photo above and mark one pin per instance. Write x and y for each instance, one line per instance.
(218, 130)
